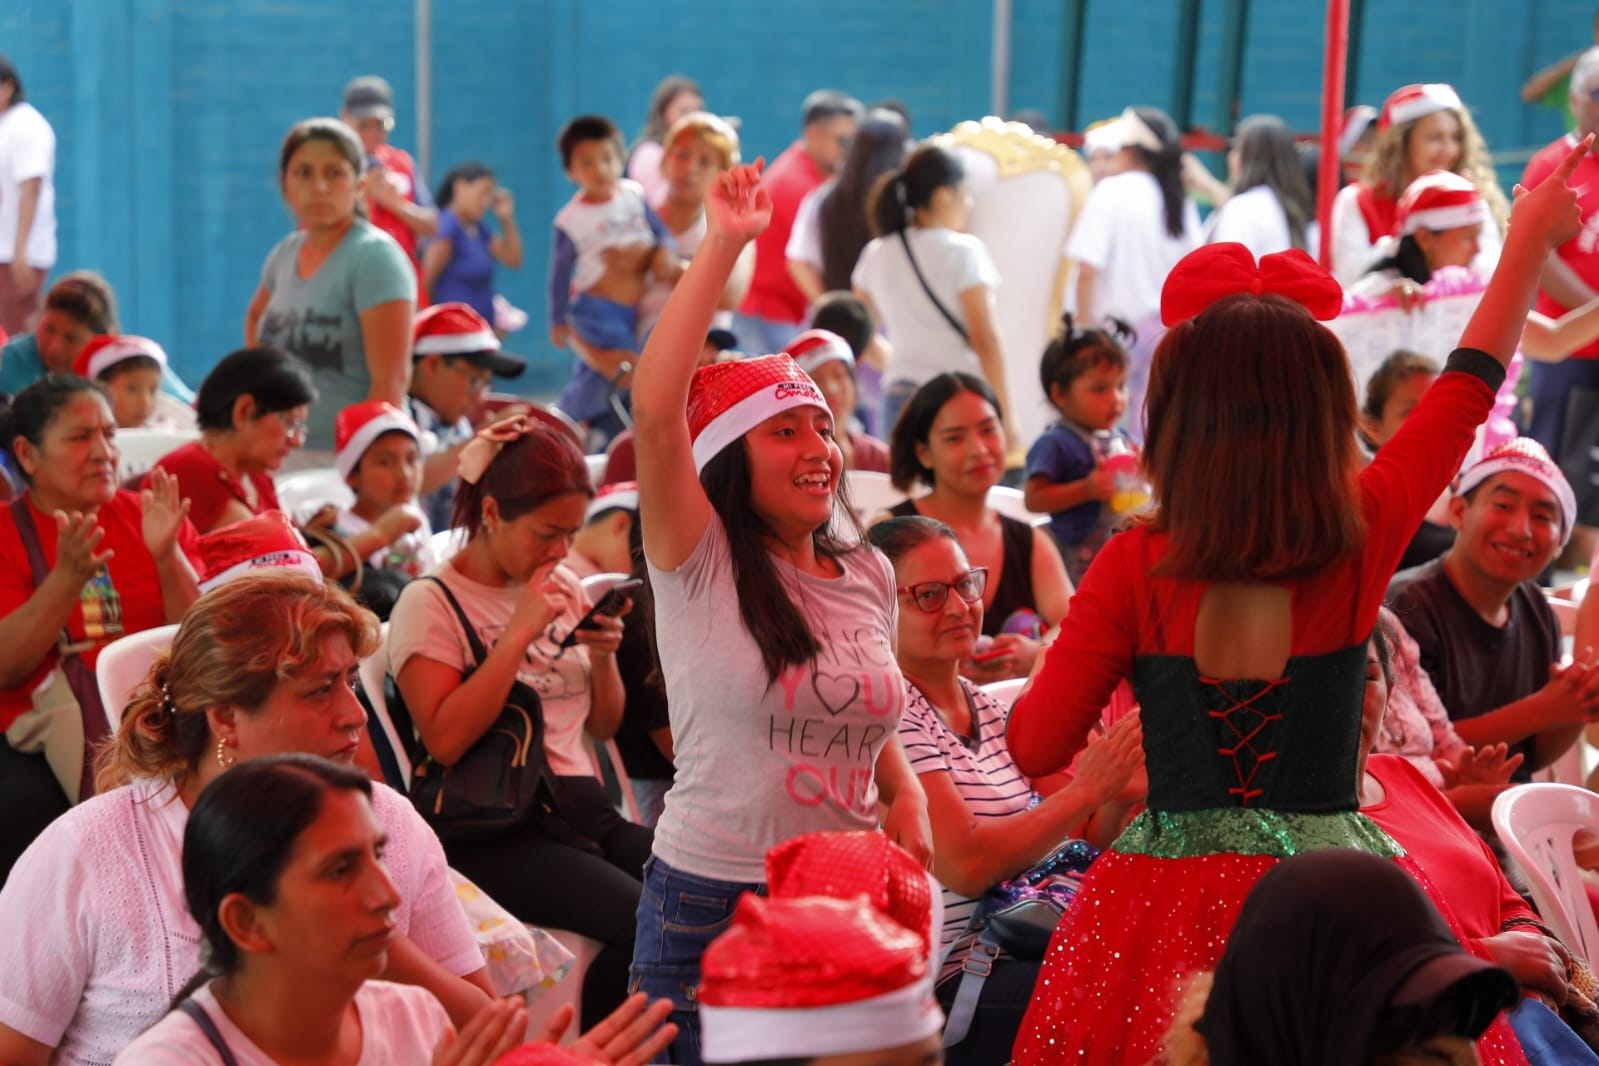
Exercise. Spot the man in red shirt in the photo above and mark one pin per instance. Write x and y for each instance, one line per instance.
(398, 201)
(1565, 396)
(773, 311)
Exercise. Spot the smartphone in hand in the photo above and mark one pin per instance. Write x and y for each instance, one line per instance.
(610, 604)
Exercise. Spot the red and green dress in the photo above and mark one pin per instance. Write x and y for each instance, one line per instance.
(1242, 772)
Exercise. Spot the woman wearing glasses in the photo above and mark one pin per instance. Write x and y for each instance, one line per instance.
(988, 823)
(337, 292)
(252, 410)
(950, 437)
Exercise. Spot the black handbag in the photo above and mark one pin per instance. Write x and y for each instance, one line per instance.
(502, 783)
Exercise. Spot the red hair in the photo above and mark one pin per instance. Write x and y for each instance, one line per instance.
(1251, 447)
(540, 465)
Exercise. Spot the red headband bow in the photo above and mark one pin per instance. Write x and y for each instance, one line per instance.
(1215, 271)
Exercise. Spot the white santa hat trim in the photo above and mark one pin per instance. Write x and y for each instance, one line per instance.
(1518, 457)
(815, 348)
(1418, 101)
(289, 559)
(457, 343)
(623, 495)
(750, 412)
(126, 346)
(1440, 200)
(743, 1034)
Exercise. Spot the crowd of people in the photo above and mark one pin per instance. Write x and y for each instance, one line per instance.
(1195, 766)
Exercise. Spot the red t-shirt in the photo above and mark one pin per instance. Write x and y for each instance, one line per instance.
(208, 486)
(773, 294)
(1581, 253)
(400, 171)
(1448, 850)
(125, 598)
(1120, 612)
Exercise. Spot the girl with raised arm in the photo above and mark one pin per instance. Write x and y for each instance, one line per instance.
(775, 634)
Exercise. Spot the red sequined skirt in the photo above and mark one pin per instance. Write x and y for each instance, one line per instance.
(1141, 925)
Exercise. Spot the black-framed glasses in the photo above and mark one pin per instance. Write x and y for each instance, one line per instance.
(930, 596)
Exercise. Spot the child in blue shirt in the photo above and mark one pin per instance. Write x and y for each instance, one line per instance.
(607, 238)
(1084, 374)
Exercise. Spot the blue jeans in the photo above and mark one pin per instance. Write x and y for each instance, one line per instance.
(679, 914)
(764, 336)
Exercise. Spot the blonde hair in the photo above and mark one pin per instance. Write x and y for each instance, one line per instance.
(1385, 169)
(236, 644)
(712, 130)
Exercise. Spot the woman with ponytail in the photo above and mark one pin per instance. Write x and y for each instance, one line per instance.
(99, 938)
(1132, 229)
(286, 870)
(929, 282)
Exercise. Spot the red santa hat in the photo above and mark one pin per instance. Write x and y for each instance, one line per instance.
(618, 494)
(727, 400)
(455, 329)
(542, 1053)
(861, 863)
(815, 348)
(108, 349)
(1440, 200)
(813, 976)
(1410, 102)
(1525, 456)
(359, 424)
(266, 541)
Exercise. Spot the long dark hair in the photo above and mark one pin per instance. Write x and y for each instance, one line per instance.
(240, 838)
(1166, 165)
(33, 409)
(878, 147)
(1268, 156)
(765, 601)
(899, 194)
(660, 100)
(1408, 259)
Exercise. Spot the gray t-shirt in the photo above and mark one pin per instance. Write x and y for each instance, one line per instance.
(319, 318)
(758, 764)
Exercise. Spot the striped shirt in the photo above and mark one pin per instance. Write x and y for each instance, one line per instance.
(981, 768)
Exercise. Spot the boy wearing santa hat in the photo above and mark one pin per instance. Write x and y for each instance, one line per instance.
(378, 453)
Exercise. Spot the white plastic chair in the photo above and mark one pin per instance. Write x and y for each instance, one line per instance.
(141, 448)
(373, 670)
(597, 585)
(1006, 691)
(303, 492)
(1013, 503)
(596, 465)
(124, 663)
(871, 493)
(446, 544)
(1536, 823)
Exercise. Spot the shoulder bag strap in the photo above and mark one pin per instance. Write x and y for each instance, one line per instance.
(954, 322)
(197, 1014)
(974, 972)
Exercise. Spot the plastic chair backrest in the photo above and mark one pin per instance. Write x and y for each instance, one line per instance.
(1006, 691)
(597, 585)
(124, 663)
(871, 493)
(1013, 504)
(1536, 823)
(392, 751)
(446, 544)
(141, 448)
(596, 465)
(303, 492)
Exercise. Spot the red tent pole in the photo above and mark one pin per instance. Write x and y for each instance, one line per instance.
(1332, 120)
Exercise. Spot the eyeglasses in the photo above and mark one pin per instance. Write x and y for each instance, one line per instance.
(294, 427)
(930, 596)
(477, 379)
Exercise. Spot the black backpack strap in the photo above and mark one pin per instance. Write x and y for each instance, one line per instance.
(954, 322)
(198, 1015)
(479, 652)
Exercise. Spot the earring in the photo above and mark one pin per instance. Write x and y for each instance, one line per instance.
(225, 758)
